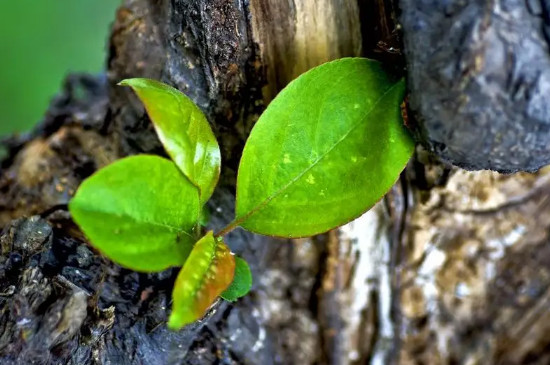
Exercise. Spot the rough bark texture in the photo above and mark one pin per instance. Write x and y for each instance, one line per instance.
(479, 74)
(474, 277)
(452, 267)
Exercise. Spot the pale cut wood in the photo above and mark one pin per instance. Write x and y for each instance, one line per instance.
(296, 35)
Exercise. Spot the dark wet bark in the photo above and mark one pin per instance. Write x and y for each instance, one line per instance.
(479, 74)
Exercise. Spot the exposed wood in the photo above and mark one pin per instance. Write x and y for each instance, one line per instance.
(475, 272)
(296, 35)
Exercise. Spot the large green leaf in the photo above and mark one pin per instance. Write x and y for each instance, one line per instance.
(207, 272)
(139, 211)
(326, 149)
(183, 130)
(242, 282)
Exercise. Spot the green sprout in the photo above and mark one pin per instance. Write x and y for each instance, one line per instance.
(325, 150)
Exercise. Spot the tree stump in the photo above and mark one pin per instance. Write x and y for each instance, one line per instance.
(451, 267)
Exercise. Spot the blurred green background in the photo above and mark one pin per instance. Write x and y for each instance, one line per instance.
(40, 42)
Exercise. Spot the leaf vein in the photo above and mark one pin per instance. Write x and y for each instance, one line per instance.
(138, 221)
(266, 201)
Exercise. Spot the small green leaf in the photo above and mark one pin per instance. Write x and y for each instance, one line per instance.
(242, 282)
(326, 149)
(208, 271)
(139, 211)
(183, 130)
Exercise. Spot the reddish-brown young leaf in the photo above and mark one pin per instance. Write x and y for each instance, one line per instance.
(208, 271)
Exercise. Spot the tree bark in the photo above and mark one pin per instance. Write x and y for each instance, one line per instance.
(450, 268)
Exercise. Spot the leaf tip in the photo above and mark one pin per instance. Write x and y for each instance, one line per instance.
(176, 322)
(124, 82)
(133, 83)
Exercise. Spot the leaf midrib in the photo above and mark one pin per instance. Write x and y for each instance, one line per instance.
(203, 279)
(170, 228)
(261, 205)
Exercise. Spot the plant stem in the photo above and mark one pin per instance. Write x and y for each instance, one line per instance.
(230, 227)
(238, 220)
(197, 232)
